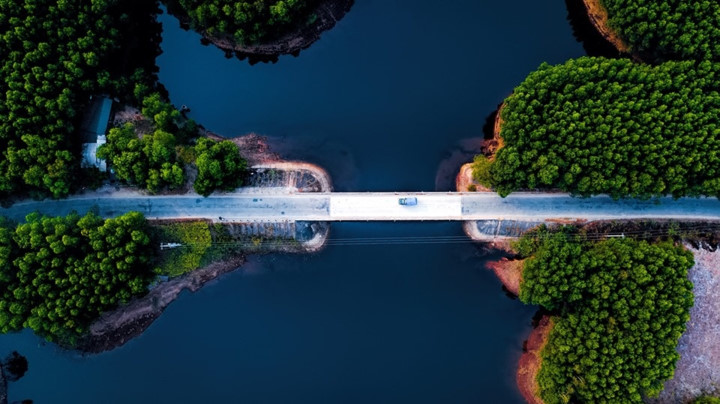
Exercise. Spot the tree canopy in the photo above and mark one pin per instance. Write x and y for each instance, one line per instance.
(594, 126)
(149, 162)
(219, 165)
(245, 22)
(621, 306)
(57, 274)
(668, 29)
(53, 56)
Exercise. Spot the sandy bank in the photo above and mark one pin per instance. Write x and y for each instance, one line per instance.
(698, 370)
(530, 361)
(509, 272)
(599, 18)
(116, 328)
(327, 13)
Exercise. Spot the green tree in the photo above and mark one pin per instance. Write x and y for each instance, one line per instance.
(245, 22)
(220, 166)
(63, 272)
(150, 162)
(53, 57)
(611, 126)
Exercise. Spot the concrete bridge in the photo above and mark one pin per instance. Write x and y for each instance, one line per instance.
(375, 206)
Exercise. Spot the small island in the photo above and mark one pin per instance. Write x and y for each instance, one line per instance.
(261, 30)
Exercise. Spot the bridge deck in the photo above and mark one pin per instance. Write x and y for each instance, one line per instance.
(376, 206)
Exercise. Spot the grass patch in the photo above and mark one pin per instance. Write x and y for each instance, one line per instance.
(196, 243)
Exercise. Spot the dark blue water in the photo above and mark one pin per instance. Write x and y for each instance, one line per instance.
(382, 101)
(386, 95)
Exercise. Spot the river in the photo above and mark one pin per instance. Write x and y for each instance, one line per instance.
(385, 101)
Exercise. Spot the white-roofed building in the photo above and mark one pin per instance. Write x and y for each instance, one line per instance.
(93, 130)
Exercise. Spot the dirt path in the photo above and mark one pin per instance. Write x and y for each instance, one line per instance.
(698, 370)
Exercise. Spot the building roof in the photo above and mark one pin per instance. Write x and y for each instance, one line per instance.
(93, 129)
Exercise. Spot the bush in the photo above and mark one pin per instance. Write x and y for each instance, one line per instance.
(220, 166)
(196, 240)
(706, 400)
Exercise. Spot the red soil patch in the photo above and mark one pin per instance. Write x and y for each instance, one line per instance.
(530, 361)
(509, 272)
(599, 18)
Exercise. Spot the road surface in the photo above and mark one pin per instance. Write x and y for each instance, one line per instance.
(376, 206)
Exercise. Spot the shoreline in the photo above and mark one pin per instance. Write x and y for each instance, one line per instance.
(531, 361)
(328, 14)
(115, 328)
(464, 179)
(598, 16)
(509, 272)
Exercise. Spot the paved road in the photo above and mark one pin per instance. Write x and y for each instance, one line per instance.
(376, 207)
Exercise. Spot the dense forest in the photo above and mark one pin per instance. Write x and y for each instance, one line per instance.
(595, 126)
(53, 57)
(620, 307)
(662, 30)
(57, 274)
(245, 22)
